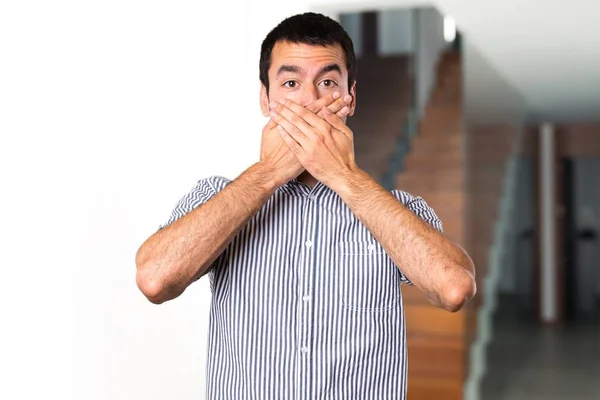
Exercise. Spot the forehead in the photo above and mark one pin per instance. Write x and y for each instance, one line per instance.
(306, 56)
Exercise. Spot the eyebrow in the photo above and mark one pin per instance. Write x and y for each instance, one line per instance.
(290, 68)
(331, 68)
(297, 70)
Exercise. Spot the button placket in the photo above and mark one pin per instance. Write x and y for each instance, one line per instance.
(304, 293)
(305, 287)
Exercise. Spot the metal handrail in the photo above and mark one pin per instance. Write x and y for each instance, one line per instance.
(403, 146)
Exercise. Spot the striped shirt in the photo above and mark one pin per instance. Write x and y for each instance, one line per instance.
(306, 304)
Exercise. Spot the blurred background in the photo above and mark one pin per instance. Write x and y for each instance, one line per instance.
(492, 115)
(111, 111)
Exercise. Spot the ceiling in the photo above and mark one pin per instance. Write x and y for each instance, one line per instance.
(549, 50)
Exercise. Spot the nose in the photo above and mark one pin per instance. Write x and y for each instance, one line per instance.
(308, 95)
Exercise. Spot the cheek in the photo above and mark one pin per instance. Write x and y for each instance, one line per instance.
(326, 91)
(276, 95)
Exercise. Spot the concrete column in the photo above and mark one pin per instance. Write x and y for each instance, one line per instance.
(549, 296)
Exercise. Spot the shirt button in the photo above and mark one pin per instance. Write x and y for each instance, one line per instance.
(306, 298)
(371, 247)
(308, 243)
(312, 197)
(304, 350)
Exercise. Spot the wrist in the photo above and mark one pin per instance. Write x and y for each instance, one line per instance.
(265, 175)
(348, 181)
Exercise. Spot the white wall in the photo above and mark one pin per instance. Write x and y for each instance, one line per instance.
(480, 79)
(407, 31)
(110, 112)
(395, 32)
(430, 44)
(518, 268)
(352, 23)
(587, 208)
(517, 276)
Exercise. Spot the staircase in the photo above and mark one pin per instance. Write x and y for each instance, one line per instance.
(492, 206)
(384, 91)
(462, 180)
(462, 177)
(435, 170)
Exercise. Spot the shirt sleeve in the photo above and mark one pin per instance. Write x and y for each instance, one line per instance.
(203, 191)
(421, 209)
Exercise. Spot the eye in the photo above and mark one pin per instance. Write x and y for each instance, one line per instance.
(290, 84)
(329, 83)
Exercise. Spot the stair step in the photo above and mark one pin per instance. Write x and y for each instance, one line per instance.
(440, 129)
(448, 198)
(452, 225)
(429, 147)
(433, 163)
(412, 295)
(444, 181)
(426, 321)
(444, 139)
(446, 95)
(447, 204)
(427, 388)
(441, 357)
(435, 170)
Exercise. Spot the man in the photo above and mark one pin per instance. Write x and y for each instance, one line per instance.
(304, 250)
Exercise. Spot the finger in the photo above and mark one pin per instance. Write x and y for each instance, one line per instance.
(339, 104)
(342, 113)
(269, 129)
(298, 129)
(270, 126)
(334, 107)
(291, 142)
(301, 117)
(336, 122)
(317, 105)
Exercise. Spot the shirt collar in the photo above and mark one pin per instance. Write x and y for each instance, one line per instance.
(296, 188)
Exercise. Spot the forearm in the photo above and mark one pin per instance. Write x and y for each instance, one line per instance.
(432, 262)
(180, 253)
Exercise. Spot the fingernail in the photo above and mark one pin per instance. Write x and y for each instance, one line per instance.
(282, 101)
(336, 95)
(273, 114)
(348, 98)
(273, 104)
(344, 110)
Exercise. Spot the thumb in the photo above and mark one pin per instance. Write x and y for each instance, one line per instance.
(270, 125)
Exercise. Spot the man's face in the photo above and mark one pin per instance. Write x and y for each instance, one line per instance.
(304, 73)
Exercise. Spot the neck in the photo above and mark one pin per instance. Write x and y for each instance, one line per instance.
(307, 179)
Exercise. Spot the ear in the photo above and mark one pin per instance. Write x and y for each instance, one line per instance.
(352, 105)
(264, 100)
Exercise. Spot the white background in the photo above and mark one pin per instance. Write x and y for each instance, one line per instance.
(110, 111)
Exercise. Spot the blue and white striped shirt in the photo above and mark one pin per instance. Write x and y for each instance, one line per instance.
(306, 304)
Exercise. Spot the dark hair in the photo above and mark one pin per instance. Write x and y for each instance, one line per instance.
(308, 28)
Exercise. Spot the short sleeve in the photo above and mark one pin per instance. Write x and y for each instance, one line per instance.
(203, 191)
(421, 209)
